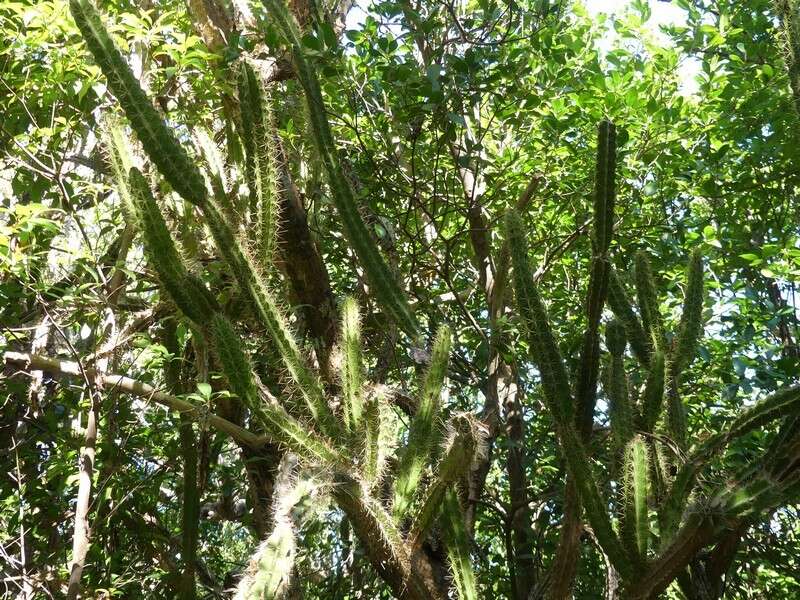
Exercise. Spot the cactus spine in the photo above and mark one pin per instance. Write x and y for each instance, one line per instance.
(159, 142)
(352, 367)
(385, 287)
(423, 430)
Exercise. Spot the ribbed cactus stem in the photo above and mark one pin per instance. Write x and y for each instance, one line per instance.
(653, 398)
(270, 314)
(635, 524)
(605, 185)
(455, 462)
(647, 298)
(588, 366)
(423, 430)
(157, 139)
(383, 283)
(691, 325)
(352, 367)
(620, 409)
(188, 292)
(282, 427)
(248, 112)
(270, 571)
(119, 154)
(787, 11)
(372, 434)
(458, 542)
(261, 168)
(536, 324)
(594, 505)
(622, 307)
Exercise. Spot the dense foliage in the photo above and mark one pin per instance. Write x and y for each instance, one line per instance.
(466, 300)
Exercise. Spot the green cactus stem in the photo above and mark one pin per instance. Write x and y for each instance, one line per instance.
(268, 311)
(458, 545)
(622, 307)
(383, 283)
(157, 139)
(691, 325)
(261, 169)
(423, 430)
(186, 290)
(282, 427)
(352, 367)
(605, 186)
(620, 409)
(457, 457)
(269, 574)
(635, 522)
(653, 398)
(536, 324)
(647, 298)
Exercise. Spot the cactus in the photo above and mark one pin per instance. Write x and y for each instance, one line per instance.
(647, 298)
(119, 154)
(423, 431)
(260, 168)
(691, 325)
(458, 543)
(555, 385)
(372, 463)
(635, 521)
(188, 292)
(620, 409)
(457, 456)
(383, 283)
(270, 570)
(270, 314)
(281, 426)
(533, 314)
(787, 12)
(352, 366)
(605, 185)
(157, 139)
(605, 190)
(622, 307)
(420, 504)
(653, 398)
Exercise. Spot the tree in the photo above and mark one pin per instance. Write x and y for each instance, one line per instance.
(315, 255)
